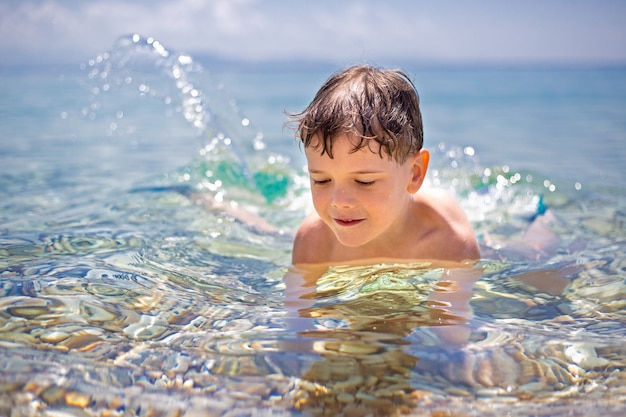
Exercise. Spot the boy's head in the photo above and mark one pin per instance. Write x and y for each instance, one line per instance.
(368, 104)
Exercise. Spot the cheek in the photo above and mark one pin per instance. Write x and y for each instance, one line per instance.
(376, 202)
(319, 197)
(382, 196)
(385, 202)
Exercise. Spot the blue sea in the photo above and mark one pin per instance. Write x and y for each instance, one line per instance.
(148, 200)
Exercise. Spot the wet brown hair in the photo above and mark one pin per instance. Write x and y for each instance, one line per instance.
(371, 105)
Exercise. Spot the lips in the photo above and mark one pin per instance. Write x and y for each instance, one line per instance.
(348, 222)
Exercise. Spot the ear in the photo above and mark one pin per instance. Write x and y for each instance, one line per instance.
(419, 167)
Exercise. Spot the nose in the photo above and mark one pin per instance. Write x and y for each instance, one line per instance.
(342, 197)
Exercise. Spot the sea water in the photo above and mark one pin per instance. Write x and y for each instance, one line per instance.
(147, 209)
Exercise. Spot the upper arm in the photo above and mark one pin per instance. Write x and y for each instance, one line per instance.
(465, 243)
(457, 240)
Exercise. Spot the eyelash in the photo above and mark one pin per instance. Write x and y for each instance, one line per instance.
(363, 183)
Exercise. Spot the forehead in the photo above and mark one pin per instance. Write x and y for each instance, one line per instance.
(345, 155)
(343, 143)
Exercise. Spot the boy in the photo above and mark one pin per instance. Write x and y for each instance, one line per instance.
(362, 137)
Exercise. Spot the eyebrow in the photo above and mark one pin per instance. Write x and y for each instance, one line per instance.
(364, 172)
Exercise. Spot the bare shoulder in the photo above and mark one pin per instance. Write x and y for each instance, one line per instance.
(312, 241)
(455, 236)
(443, 202)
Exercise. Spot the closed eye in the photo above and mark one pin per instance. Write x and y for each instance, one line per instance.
(365, 183)
(319, 182)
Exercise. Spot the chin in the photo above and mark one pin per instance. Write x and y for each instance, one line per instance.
(352, 243)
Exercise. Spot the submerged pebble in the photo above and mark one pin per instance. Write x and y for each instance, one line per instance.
(53, 336)
(148, 327)
(26, 307)
(585, 355)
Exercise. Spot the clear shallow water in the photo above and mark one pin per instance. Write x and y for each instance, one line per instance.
(131, 285)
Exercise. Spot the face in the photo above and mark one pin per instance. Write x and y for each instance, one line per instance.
(362, 197)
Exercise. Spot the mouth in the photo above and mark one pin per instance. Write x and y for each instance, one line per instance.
(348, 222)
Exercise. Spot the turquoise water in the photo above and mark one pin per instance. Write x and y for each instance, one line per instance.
(146, 215)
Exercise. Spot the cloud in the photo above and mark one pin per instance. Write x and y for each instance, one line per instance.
(489, 30)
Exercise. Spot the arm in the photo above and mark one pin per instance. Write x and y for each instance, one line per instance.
(451, 299)
(300, 289)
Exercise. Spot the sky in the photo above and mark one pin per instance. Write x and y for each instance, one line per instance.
(442, 31)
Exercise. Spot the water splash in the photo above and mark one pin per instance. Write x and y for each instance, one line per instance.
(233, 162)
